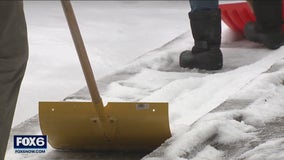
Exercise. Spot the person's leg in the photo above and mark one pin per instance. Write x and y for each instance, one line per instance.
(196, 5)
(13, 60)
(205, 22)
(267, 28)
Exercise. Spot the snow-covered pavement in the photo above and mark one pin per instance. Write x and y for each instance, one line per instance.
(246, 96)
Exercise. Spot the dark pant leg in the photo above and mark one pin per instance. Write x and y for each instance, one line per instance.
(203, 4)
(13, 60)
(268, 15)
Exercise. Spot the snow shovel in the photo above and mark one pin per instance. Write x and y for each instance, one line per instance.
(236, 15)
(124, 126)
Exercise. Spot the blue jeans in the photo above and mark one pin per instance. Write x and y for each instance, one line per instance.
(203, 4)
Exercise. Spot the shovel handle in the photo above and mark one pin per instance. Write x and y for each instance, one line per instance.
(81, 51)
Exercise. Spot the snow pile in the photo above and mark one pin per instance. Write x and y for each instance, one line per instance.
(219, 131)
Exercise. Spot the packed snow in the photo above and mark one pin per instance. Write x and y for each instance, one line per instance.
(248, 92)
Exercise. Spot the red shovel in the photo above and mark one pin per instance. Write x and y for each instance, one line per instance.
(236, 15)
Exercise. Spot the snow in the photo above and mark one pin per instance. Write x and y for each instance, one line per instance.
(115, 33)
(248, 92)
(236, 125)
(272, 149)
(209, 153)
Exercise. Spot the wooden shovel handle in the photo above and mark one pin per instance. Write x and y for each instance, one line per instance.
(81, 51)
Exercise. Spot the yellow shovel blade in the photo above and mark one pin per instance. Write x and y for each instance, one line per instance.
(129, 126)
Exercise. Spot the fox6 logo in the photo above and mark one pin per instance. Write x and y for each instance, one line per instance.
(30, 142)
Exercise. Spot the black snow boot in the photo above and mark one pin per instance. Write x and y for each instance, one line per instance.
(206, 31)
(267, 28)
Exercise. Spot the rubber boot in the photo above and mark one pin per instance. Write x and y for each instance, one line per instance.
(206, 31)
(267, 28)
